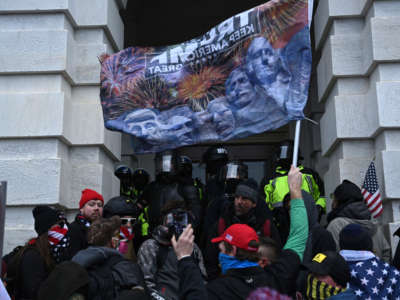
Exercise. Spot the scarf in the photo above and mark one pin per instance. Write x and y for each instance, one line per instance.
(356, 255)
(318, 290)
(126, 233)
(229, 262)
(82, 220)
(59, 241)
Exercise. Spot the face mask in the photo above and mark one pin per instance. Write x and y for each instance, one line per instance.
(125, 233)
(57, 233)
(229, 262)
(59, 241)
(317, 290)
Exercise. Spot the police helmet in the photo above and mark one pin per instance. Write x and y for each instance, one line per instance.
(166, 162)
(140, 177)
(233, 170)
(215, 158)
(285, 151)
(123, 172)
(185, 165)
(121, 206)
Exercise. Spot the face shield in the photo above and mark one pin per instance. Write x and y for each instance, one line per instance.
(232, 174)
(165, 164)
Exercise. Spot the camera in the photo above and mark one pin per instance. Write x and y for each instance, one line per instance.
(176, 221)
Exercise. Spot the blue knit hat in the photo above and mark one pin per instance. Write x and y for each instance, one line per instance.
(355, 237)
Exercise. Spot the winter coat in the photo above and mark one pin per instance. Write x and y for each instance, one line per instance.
(259, 219)
(66, 279)
(357, 213)
(78, 237)
(109, 272)
(160, 268)
(319, 239)
(32, 271)
(239, 283)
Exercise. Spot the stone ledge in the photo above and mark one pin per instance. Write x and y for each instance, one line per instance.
(34, 51)
(341, 57)
(391, 173)
(21, 107)
(328, 10)
(31, 181)
(14, 149)
(385, 38)
(388, 104)
(53, 51)
(82, 14)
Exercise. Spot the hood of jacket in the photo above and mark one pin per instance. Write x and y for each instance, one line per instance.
(353, 210)
(94, 255)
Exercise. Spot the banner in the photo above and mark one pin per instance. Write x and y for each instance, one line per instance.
(247, 75)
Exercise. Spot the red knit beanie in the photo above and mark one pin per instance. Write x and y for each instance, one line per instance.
(87, 195)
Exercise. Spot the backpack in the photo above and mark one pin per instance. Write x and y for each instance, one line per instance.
(12, 262)
(101, 280)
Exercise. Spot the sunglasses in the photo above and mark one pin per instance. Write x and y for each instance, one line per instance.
(125, 221)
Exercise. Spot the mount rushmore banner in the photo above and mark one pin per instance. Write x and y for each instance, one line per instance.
(247, 75)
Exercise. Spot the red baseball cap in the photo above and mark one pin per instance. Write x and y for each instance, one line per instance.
(238, 235)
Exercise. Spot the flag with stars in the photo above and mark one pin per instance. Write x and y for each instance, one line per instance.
(374, 279)
(371, 193)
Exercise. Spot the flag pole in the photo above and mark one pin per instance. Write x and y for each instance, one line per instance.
(296, 143)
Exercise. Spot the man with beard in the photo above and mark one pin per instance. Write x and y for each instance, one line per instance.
(90, 209)
(245, 209)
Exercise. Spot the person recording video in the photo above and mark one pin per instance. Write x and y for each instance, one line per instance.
(156, 256)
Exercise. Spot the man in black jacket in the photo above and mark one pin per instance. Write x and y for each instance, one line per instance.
(244, 209)
(90, 209)
(238, 255)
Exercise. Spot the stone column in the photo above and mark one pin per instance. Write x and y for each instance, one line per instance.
(53, 142)
(358, 77)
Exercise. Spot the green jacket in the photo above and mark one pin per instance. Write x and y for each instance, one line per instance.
(277, 188)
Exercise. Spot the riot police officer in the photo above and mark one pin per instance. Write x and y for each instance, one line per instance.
(140, 180)
(185, 171)
(277, 187)
(124, 174)
(167, 187)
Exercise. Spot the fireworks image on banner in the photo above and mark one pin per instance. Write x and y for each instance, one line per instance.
(200, 88)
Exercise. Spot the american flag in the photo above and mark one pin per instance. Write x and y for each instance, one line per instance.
(371, 193)
(374, 279)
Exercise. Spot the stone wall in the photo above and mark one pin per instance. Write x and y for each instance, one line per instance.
(52, 140)
(358, 81)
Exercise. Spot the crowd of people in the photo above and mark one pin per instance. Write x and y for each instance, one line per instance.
(176, 238)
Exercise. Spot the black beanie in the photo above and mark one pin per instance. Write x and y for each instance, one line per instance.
(248, 189)
(45, 217)
(347, 191)
(355, 237)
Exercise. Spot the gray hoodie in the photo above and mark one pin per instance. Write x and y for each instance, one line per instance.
(358, 213)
